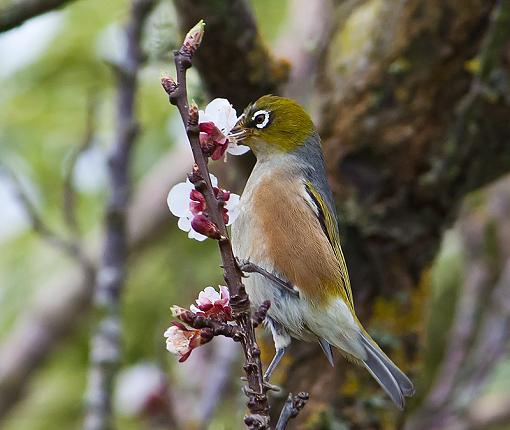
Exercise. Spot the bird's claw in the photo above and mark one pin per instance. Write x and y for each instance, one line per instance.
(271, 387)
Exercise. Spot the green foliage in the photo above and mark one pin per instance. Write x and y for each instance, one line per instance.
(43, 111)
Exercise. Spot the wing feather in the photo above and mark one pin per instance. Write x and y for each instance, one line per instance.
(330, 228)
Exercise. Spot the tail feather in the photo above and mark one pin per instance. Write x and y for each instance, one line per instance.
(328, 351)
(389, 376)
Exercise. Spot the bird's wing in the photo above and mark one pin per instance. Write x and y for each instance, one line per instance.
(330, 228)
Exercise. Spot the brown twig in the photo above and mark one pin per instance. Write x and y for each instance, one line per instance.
(18, 12)
(105, 347)
(256, 388)
(293, 405)
(68, 246)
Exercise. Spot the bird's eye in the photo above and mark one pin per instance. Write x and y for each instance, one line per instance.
(261, 118)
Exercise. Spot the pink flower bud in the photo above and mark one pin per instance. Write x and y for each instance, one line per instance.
(177, 311)
(203, 225)
(194, 37)
(214, 305)
(197, 203)
(169, 85)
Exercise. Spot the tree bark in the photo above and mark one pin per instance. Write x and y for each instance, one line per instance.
(407, 132)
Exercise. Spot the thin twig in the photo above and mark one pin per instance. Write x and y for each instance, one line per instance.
(256, 389)
(39, 226)
(293, 405)
(105, 347)
(18, 12)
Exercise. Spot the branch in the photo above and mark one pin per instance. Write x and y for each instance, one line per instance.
(256, 389)
(476, 344)
(58, 309)
(17, 12)
(292, 407)
(105, 351)
(69, 247)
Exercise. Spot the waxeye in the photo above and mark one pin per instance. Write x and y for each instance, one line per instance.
(261, 118)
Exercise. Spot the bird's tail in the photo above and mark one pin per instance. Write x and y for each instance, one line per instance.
(389, 376)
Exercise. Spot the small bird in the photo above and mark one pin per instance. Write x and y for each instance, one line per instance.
(287, 225)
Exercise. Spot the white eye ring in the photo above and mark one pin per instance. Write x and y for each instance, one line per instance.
(266, 118)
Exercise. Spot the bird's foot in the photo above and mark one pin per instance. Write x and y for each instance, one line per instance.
(271, 387)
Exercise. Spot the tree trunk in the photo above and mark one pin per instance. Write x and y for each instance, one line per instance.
(412, 118)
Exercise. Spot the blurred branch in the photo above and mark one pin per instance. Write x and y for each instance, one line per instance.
(233, 61)
(16, 12)
(60, 306)
(220, 373)
(69, 247)
(305, 35)
(392, 81)
(69, 194)
(293, 405)
(35, 337)
(477, 340)
(105, 351)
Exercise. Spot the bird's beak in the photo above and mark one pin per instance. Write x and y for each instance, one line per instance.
(239, 132)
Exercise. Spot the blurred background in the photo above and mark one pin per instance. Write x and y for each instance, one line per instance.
(412, 100)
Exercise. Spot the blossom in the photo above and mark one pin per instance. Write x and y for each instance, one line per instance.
(181, 340)
(215, 122)
(214, 304)
(189, 205)
(140, 389)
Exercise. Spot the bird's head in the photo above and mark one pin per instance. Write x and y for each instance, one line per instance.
(273, 124)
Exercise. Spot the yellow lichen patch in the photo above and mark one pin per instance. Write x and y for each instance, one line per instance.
(473, 65)
(351, 385)
(403, 317)
(354, 39)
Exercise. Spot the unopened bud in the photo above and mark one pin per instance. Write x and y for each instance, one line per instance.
(178, 312)
(193, 114)
(169, 85)
(194, 37)
(203, 225)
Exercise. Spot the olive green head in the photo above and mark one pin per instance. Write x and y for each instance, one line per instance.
(273, 124)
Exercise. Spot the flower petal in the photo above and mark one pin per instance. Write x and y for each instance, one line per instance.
(235, 149)
(214, 180)
(224, 292)
(232, 206)
(208, 295)
(184, 224)
(178, 199)
(221, 112)
(195, 235)
(195, 310)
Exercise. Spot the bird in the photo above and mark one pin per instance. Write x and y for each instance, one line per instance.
(287, 226)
